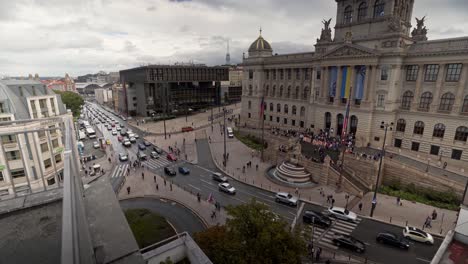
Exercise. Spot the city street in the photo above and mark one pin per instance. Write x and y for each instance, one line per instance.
(200, 181)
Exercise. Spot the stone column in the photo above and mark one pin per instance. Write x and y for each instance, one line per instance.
(459, 99)
(324, 83)
(417, 91)
(373, 84)
(438, 88)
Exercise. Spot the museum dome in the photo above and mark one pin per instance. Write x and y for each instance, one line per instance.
(260, 44)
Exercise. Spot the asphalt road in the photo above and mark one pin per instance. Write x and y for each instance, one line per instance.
(180, 217)
(199, 180)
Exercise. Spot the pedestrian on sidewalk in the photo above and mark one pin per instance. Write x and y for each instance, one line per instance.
(243, 169)
(360, 206)
(128, 190)
(198, 197)
(434, 215)
(157, 187)
(398, 199)
(109, 160)
(427, 223)
(256, 167)
(213, 215)
(317, 255)
(332, 202)
(142, 175)
(164, 182)
(296, 191)
(154, 177)
(328, 198)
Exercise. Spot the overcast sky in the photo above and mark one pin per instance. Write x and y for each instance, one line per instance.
(51, 37)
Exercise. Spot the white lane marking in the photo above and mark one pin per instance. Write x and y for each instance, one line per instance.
(194, 187)
(424, 260)
(207, 182)
(296, 216)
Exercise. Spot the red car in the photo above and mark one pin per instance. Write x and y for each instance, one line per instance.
(120, 138)
(171, 157)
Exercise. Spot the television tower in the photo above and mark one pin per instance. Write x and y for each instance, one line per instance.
(228, 56)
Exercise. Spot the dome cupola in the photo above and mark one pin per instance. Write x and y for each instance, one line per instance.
(260, 47)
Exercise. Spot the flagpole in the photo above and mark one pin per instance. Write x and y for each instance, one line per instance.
(343, 133)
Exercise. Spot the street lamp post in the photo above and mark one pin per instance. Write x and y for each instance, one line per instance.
(224, 136)
(384, 126)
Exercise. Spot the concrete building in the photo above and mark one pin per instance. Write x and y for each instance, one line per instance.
(231, 90)
(29, 161)
(172, 90)
(103, 95)
(387, 71)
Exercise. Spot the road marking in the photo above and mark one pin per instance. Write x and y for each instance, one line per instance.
(296, 216)
(207, 182)
(269, 196)
(194, 187)
(424, 260)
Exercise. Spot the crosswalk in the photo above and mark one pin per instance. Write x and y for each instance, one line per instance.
(324, 236)
(157, 163)
(120, 170)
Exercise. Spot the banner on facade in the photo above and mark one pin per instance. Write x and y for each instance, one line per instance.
(360, 78)
(346, 82)
(333, 79)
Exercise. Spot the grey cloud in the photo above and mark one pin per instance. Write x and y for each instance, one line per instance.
(129, 46)
(151, 8)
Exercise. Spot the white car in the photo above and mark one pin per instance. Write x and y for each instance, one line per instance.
(136, 136)
(418, 235)
(114, 132)
(118, 128)
(132, 139)
(96, 144)
(227, 188)
(342, 213)
(126, 142)
(286, 198)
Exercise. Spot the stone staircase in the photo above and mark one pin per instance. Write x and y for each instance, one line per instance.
(293, 173)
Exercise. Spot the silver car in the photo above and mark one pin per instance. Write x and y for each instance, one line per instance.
(286, 198)
(227, 188)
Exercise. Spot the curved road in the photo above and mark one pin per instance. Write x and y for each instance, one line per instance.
(180, 217)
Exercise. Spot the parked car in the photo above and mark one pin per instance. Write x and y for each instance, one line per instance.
(184, 170)
(316, 218)
(342, 213)
(170, 171)
(286, 198)
(147, 143)
(141, 155)
(126, 142)
(171, 157)
(227, 188)
(96, 144)
(123, 157)
(392, 240)
(418, 235)
(132, 140)
(158, 150)
(219, 177)
(341, 240)
(154, 155)
(141, 146)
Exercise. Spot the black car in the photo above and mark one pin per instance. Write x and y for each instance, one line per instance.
(392, 240)
(158, 150)
(141, 156)
(341, 240)
(169, 171)
(317, 218)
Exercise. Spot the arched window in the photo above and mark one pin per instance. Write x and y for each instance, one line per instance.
(348, 15)
(446, 102)
(250, 89)
(401, 125)
(407, 100)
(267, 90)
(426, 100)
(288, 92)
(278, 108)
(461, 134)
(296, 94)
(271, 107)
(250, 105)
(465, 105)
(273, 91)
(305, 93)
(339, 124)
(362, 11)
(281, 91)
(379, 8)
(418, 128)
(302, 111)
(286, 109)
(439, 131)
(294, 110)
(353, 125)
(327, 120)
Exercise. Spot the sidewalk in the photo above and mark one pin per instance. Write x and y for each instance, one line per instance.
(147, 187)
(195, 121)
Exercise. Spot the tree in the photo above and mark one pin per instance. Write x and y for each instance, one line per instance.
(72, 100)
(252, 234)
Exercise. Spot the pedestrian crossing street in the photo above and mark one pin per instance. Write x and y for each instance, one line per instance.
(324, 237)
(157, 163)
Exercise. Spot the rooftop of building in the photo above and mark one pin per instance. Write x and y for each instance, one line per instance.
(175, 66)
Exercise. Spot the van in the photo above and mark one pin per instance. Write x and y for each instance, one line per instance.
(230, 133)
(81, 135)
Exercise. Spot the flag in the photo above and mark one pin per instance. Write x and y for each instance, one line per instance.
(359, 85)
(210, 198)
(262, 107)
(333, 79)
(345, 122)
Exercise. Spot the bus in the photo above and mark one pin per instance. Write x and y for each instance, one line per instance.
(230, 133)
(90, 132)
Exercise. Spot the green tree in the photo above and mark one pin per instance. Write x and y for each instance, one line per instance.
(252, 234)
(72, 100)
(167, 261)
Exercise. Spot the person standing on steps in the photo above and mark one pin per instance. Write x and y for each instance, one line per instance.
(128, 190)
(360, 206)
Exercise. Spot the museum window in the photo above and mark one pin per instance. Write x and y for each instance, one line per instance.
(293, 122)
(381, 100)
(379, 8)
(285, 121)
(267, 74)
(281, 72)
(407, 100)
(439, 131)
(249, 115)
(418, 128)
(294, 110)
(319, 74)
(251, 74)
(465, 105)
(434, 150)
(302, 111)
(267, 90)
(412, 72)
(398, 143)
(301, 124)
(288, 92)
(281, 91)
(328, 120)
(362, 11)
(278, 108)
(274, 74)
(298, 74)
(457, 154)
(461, 134)
(415, 146)
(250, 90)
(401, 125)
(425, 102)
(453, 72)
(384, 73)
(13, 155)
(18, 173)
(273, 91)
(296, 94)
(432, 70)
(348, 15)
(286, 109)
(271, 118)
(288, 73)
(305, 93)
(306, 73)
(271, 107)
(249, 105)
(277, 119)
(446, 102)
